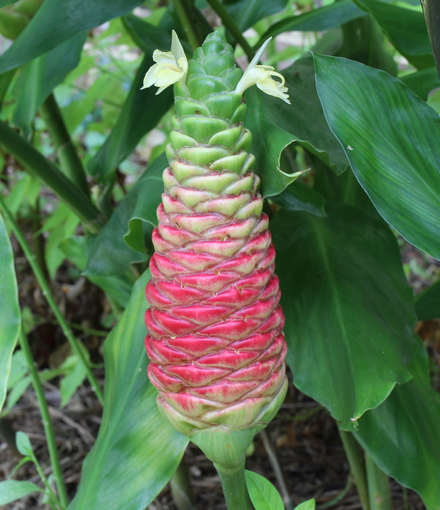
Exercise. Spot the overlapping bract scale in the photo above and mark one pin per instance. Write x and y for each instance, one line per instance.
(215, 338)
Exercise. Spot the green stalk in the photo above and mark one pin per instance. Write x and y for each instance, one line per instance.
(39, 166)
(378, 486)
(229, 23)
(45, 287)
(47, 422)
(181, 489)
(431, 11)
(234, 487)
(67, 154)
(356, 460)
(183, 11)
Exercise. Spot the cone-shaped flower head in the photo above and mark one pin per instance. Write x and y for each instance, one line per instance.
(215, 337)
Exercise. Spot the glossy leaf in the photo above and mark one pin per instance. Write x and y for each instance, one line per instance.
(422, 82)
(310, 504)
(300, 197)
(9, 310)
(263, 494)
(137, 450)
(409, 35)
(247, 12)
(391, 139)
(120, 242)
(317, 20)
(51, 26)
(428, 303)
(275, 124)
(39, 77)
(348, 307)
(11, 490)
(403, 436)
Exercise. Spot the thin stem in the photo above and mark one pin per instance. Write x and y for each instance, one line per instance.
(183, 11)
(230, 24)
(181, 488)
(356, 460)
(39, 166)
(234, 487)
(273, 458)
(47, 422)
(67, 154)
(378, 486)
(45, 287)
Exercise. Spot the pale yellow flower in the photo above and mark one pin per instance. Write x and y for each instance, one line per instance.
(171, 67)
(262, 77)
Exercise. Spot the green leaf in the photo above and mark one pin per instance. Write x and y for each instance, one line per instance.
(300, 197)
(263, 494)
(247, 12)
(23, 443)
(39, 77)
(5, 3)
(11, 490)
(72, 381)
(403, 435)
(310, 504)
(137, 450)
(409, 35)
(120, 242)
(316, 20)
(348, 307)
(52, 26)
(391, 139)
(428, 303)
(275, 124)
(141, 112)
(9, 310)
(422, 82)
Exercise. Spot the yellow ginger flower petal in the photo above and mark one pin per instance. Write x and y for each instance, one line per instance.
(171, 67)
(262, 77)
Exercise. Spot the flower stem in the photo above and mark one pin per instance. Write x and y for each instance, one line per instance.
(39, 166)
(234, 487)
(183, 11)
(47, 422)
(356, 460)
(45, 287)
(378, 486)
(67, 154)
(229, 23)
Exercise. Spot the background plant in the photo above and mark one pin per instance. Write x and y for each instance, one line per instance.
(364, 123)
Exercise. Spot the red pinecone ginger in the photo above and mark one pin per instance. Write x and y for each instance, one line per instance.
(215, 339)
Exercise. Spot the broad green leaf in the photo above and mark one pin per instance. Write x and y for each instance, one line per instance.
(120, 242)
(428, 303)
(422, 82)
(409, 35)
(263, 494)
(317, 20)
(117, 287)
(300, 197)
(348, 307)
(54, 23)
(137, 450)
(141, 112)
(39, 77)
(11, 490)
(390, 137)
(247, 12)
(23, 443)
(403, 435)
(310, 504)
(9, 310)
(275, 124)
